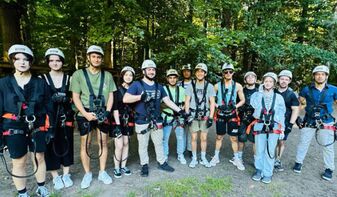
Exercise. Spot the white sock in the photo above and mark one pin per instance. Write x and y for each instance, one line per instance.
(194, 155)
(240, 155)
(216, 154)
(203, 155)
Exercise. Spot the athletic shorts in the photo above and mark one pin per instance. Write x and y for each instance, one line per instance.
(198, 125)
(85, 127)
(223, 127)
(127, 131)
(18, 145)
(60, 151)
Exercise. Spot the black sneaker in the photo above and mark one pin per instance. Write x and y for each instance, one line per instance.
(327, 175)
(117, 173)
(278, 166)
(126, 171)
(165, 167)
(297, 167)
(145, 171)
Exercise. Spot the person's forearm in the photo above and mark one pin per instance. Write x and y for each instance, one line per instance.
(294, 114)
(78, 103)
(116, 117)
(110, 102)
(128, 98)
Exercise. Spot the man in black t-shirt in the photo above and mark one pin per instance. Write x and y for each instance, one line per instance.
(292, 111)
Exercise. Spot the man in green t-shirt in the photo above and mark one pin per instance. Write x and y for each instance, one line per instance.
(92, 90)
(172, 120)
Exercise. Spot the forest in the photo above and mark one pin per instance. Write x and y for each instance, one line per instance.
(256, 35)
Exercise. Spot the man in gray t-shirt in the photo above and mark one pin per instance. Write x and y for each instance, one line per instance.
(200, 102)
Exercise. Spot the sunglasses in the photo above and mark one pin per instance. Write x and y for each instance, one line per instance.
(228, 72)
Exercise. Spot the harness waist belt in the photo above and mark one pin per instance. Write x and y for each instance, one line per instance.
(10, 132)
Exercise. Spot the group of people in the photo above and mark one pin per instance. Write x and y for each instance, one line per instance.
(38, 114)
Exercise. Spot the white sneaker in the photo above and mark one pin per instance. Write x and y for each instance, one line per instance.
(86, 181)
(205, 163)
(42, 191)
(58, 183)
(104, 177)
(182, 159)
(238, 163)
(214, 161)
(193, 163)
(67, 180)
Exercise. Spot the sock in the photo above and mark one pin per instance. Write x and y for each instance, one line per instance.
(40, 184)
(236, 155)
(240, 155)
(203, 155)
(194, 155)
(216, 154)
(22, 191)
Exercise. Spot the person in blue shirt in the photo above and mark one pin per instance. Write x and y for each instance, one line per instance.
(269, 111)
(318, 99)
(147, 96)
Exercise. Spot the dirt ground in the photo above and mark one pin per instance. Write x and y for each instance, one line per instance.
(287, 183)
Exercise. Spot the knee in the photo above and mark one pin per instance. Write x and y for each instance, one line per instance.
(234, 139)
(219, 137)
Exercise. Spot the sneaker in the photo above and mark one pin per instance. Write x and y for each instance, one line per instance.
(165, 167)
(205, 163)
(327, 175)
(58, 183)
(189, 153)
(86, 181)
(237, 163)
(42, 191)
(278, 166)
(193, 163)
(145, 170)
(104, 177)
(67, 180)
(126, 171)
(257, 176)
(297, 167)
(23, 195)
(182, 159)
(117, 173)
(266, 179)
(214, 161)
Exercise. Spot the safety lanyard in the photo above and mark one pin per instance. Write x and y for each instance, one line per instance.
(176, 101)
(268, 115)
(92, 94)
(224, 93)
(151, 110)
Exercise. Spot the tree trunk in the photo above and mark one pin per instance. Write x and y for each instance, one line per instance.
(302, 26)
(9, 26)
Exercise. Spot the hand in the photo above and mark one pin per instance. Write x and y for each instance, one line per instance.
(300, 122)
(183, 114)
(289, 127)
(117, 132)
(281, 136)
(145, 97)
(90, 116)
(209, 122)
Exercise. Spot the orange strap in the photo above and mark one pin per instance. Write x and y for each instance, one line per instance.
(10, 116)
(249, 128)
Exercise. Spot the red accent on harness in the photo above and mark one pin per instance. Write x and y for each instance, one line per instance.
(330, 127)
(69, 124)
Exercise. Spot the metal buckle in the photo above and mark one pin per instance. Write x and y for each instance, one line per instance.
(63, 120)
(30, 121)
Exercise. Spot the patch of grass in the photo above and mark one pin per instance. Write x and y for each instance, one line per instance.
(83, 193)
(55, 194)
(190, 186)
(131, 194)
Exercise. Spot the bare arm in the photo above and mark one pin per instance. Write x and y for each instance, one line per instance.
(303, 103)
(187, 104)
(78, 103)
(110, 101)
(171, 104)
(212, 106)
(116, 117)
(294, 114)
(241, 96)
(129, 98)
(216, 93)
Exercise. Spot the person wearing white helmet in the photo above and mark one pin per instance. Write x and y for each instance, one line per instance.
(92, 90)
(200, 102)
(147, 96)
(25, 111)
(186, 72)
(227, 120)
(60, 150)
(268, 127)
(318, 99)
(127, 123)
(292, 111)
(173, 121)
(246, 111)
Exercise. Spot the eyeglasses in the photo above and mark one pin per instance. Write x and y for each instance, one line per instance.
(228, 72)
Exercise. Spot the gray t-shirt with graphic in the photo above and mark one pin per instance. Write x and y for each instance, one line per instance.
(203, 99)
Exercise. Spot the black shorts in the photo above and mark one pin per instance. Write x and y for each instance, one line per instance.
(18, 144)
(127, 131)
(223, 127)
(60, 151)
(85, 127)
